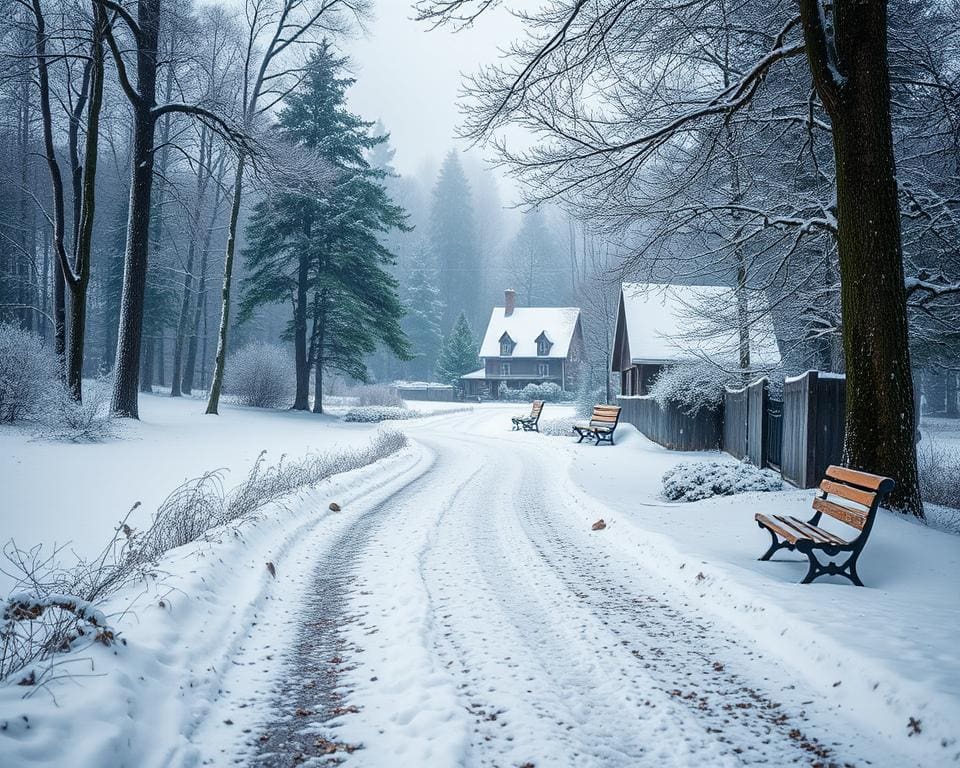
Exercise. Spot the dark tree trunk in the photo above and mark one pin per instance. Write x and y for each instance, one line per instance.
(851, 75)
(124, 402)
(302, 400)
(318, 386)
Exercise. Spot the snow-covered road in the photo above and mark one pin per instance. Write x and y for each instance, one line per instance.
(464, 613)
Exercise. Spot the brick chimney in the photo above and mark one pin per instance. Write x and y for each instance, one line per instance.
(509, 302)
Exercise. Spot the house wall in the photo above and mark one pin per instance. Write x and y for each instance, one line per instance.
(636, 380)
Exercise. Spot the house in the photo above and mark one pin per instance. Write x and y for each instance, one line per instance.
(660, 324)
(527, 345)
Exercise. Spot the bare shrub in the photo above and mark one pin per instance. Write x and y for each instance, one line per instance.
(27, 373)
(260, 377)
(63, 418)
(939, 467)
(53, 608)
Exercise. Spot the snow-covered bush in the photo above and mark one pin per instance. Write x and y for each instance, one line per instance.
(557, 427)
(372, 414)
(691, 386)
(548, 392)
(701, 480)
(28, 373)
(378, 394)
(260, 376)
(79, 422)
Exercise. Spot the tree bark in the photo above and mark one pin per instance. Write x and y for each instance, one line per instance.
(851, 76)
(302, 400)
(124, 401)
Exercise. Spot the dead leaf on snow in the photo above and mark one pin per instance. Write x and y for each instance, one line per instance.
(599, 525)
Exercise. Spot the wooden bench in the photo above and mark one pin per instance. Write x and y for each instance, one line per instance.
(846, 495)
(602, 424)
(529, 423)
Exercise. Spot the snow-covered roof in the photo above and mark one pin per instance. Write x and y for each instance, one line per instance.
(525, 325)
(478, 374)
(663, 323)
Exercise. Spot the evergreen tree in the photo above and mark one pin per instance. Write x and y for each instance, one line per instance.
(323, 249)
(459, 353)
(453, 241)
(422, 322)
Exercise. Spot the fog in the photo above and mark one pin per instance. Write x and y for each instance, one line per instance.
(410, 77)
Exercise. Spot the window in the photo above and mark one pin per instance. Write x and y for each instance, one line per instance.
(543, 369)
(543, 346)
(504, 369)
(506, 345)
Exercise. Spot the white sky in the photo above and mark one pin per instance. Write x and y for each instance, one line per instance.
(410, 77)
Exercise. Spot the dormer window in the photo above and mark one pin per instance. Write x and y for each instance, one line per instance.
(506, 345)
(543, 345)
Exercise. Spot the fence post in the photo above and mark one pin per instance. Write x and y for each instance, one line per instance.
(811, 382)
(758, 401)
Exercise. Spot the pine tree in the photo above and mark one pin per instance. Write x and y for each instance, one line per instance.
(422, 322)
(453, 241)
(323, 249)
(459, 353)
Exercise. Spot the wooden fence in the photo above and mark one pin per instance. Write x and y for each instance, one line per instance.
(736, 422)
(813, 426)
(758, 406)
(670, 427)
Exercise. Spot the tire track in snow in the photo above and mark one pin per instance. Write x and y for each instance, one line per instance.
(668, 659)
(273, 635)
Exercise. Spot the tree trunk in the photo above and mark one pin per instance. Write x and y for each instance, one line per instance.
(124, 401)
(318, 386)
(200, 310)
(852, 78)
(87, 177)
(302, 400)
(213, 403)
(160, 378)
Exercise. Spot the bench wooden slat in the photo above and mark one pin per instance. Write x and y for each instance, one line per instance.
(853, 517)
(811, 531)
(848, 492)
(855, 477)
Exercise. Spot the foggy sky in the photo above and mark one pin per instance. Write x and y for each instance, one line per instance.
(410, 78)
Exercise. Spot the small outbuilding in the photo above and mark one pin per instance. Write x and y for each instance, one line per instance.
(660, 324)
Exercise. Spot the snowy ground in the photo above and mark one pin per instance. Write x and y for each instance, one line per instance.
(460, 611)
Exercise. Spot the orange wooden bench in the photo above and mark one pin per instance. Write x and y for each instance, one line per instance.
(529, 423)
(846, 495)
(602, 424)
